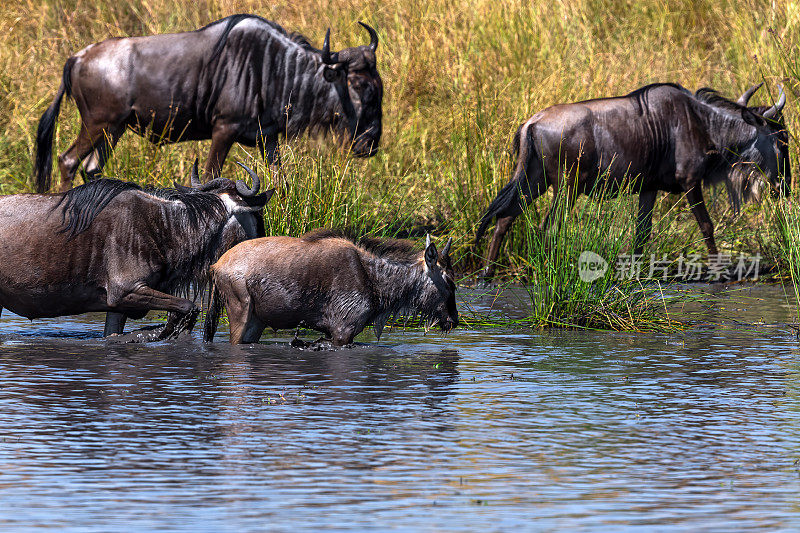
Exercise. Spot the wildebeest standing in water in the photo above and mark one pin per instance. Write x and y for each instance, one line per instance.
(111, 246)
(660, 137)
(331, 283)
(241, 79)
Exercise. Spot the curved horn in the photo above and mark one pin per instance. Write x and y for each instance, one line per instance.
(748, 94)
(373, 36)
(195, 179)
(216, 183)
(182, 188)
(241, 186)
(327, 57)
(446, 250)
(775, 110)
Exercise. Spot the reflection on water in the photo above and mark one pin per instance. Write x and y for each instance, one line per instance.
(480, 429)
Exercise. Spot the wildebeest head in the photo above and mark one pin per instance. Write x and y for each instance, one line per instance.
(243, 204)
(763, 162)
(354, 74)
(439, 302)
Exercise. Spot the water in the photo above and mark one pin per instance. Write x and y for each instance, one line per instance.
(480, 430)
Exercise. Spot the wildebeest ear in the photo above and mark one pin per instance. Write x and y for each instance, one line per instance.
(259, 200)
(431, 254)
(446, 249)
(331, 74)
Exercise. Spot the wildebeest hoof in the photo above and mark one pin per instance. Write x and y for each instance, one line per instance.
(172, 330)
(146, 334)
(299, 343)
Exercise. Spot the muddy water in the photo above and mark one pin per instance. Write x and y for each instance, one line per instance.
(481, 430)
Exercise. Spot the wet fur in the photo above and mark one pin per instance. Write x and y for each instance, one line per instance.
(330, 281)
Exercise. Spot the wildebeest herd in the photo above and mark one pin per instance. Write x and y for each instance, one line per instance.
(113, 246)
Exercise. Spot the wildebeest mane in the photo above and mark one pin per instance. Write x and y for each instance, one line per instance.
(392, 249)
(640, 95)
(714, 99)
(233, 20)
(81, 205)
(199, 205)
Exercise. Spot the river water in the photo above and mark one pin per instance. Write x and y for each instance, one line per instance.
(484, 430)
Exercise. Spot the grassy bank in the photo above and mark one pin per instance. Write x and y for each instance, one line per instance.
(459, 77)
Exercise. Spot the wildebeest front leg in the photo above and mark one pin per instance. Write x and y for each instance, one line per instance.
(644, 220)
(115, 324)
(222, 138)
(695, 198)
(183, 312)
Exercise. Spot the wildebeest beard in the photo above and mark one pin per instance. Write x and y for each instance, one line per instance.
(744, 165)
(196, 236)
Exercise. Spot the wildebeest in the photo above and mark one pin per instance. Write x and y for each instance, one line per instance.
(240, 79)
(660, 137)
(109, 245)
(331, 283)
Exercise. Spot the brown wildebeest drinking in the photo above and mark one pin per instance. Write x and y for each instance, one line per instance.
(659, 138)
(330, 283)
(240, 79)
(111, 246)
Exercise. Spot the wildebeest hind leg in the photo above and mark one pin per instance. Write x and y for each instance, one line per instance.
(245, 328)
(563, 200)
(70, 160)
(500, 229)
(97, 160)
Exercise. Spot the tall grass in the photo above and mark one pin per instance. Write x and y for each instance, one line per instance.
(786, 230)
(617, 293)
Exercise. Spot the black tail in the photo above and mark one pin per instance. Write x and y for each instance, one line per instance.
(212, 315)
(508, 200)
(44, 134)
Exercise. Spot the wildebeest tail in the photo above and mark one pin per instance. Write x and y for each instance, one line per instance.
(47, 125)
(508, 200)
(212, 315)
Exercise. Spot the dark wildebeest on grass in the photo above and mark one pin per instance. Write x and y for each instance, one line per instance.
(241, 79)
(331, 283)
(658, 138)
(111, 246)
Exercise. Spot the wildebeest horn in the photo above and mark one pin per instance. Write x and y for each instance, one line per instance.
(327, 57)
(216, 183)
(373, 36)
(241, 186)
(195, 179)
(446, 249)
(773, 111)
(748, 94)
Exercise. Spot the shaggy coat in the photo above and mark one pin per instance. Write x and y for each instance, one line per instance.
(330, 283)
(111, 246)
(658, 138)
(240, 79)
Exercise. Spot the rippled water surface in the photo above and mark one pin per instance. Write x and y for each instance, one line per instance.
(480, 430)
